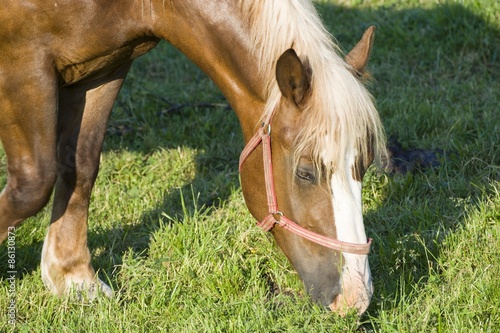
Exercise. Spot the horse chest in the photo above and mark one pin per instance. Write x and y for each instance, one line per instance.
(101, 64)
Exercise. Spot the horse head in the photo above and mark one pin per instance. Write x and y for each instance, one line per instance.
(321, 196)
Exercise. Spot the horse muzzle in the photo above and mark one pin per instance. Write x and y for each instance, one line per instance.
(357, 289)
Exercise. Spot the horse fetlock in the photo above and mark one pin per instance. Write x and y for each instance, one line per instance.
(75, 277)
(81, 282)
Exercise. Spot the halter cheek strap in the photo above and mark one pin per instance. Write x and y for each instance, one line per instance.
(275, 216)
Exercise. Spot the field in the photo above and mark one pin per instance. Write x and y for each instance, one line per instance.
(170, 232)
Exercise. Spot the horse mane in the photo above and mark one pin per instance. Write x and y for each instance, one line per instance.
(340, 113)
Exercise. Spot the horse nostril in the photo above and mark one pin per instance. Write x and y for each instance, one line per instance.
(340, 305)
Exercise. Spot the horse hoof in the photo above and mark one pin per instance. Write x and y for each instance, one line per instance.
(85, 292)
(102, 289)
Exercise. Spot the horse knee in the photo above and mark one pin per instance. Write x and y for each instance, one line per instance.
(29, 188)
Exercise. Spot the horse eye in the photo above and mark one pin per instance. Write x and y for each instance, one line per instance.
(305, 175)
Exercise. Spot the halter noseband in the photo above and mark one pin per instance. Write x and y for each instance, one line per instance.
(275, 216)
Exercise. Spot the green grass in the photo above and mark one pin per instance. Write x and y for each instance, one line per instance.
(170, 232)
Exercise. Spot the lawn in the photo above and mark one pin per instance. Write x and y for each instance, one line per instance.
(170, 232)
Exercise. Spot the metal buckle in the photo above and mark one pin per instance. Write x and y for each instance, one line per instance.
(266, 130)
(280, 214)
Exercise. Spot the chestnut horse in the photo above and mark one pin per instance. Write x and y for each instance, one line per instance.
(62, 63)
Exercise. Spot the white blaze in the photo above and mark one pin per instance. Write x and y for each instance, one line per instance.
(356, 281)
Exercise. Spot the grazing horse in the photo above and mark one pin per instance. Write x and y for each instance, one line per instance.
(310, 126)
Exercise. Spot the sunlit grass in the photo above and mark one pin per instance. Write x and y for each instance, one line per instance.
(169, 230)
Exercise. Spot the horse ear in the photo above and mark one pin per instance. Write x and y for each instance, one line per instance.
(292, 77)
(358, 57)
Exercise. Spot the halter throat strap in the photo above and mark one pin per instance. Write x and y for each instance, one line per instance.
(275, 216)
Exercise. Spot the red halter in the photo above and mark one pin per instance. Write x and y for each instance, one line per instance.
(275, 216)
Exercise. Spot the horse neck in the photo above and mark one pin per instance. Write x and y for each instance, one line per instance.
(212, 34)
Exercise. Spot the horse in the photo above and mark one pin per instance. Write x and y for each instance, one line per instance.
(310, 125)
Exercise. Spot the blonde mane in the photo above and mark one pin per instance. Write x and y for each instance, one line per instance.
(340, 114)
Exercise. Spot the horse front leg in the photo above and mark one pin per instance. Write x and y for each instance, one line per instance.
(83, 115)
(28, 134)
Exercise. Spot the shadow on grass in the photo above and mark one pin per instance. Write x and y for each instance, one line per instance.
(422, 62)
(218, 141)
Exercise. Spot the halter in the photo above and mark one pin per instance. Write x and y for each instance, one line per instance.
(275, 216)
